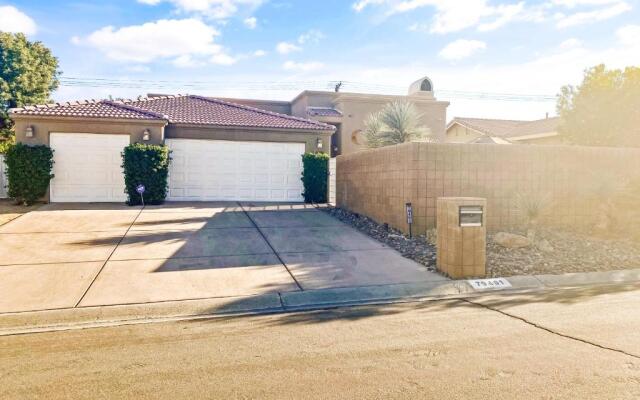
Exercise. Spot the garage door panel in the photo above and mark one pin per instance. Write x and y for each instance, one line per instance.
(293, 194)
(224, 170)
(87, 167)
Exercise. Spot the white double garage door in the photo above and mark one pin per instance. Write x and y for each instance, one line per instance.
(88, 169)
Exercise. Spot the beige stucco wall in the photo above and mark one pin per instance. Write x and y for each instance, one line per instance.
(576, 184)
(310, 98)
(42, 128)
(310, 139)
(282, 107)
(356, 108)
(460, 134)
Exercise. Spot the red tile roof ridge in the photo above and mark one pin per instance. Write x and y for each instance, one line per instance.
(261, 111)
(123, 105)
(229, 104)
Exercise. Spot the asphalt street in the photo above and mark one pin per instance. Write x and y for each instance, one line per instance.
(569, 344)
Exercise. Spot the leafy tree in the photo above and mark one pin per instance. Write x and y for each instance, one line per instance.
(603, 109)
(28, 74)
(398, 122)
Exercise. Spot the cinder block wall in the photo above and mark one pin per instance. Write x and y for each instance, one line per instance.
(575, 182)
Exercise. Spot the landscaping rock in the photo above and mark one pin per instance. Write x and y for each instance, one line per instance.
(544, 246)
(511, 240)
(570, 252)
(416, 248)
(566, 252)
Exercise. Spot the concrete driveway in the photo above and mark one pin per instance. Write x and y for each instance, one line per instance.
(79, 255)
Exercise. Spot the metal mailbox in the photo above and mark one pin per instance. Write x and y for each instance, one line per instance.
(471, 216)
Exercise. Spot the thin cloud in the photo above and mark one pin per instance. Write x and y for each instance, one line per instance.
(457, 15)
(214, 9)
(302, 66)
(629, 35)
(15, 21)
(286, 48)
(251, 22)
(461, 49)
(311, 36)
(588, 17)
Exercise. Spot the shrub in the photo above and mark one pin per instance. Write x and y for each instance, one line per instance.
(315, 174)
(146, 164)
(28, 172)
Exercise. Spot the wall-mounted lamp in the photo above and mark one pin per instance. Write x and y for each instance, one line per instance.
(28, 132)
(319, 143)
(145, 135)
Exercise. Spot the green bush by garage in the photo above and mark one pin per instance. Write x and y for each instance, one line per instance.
(148, 165)
(28, 171)
(315, 172)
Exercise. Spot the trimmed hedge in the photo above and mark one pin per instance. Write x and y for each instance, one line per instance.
(28, 172)
(146, 164)
(315, 175)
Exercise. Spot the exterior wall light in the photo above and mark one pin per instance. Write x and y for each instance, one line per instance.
(145, 135)
(319, 143)
(28, 132)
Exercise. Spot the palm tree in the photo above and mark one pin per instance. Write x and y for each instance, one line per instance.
(398, 122)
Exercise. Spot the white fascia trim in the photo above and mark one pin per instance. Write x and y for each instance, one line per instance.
(534, 136)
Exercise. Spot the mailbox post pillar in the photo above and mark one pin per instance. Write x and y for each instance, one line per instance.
(462, 236)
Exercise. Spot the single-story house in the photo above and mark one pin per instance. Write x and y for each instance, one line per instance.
(501, 131)
(220, 150)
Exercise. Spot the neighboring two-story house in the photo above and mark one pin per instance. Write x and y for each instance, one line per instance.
(348, 111)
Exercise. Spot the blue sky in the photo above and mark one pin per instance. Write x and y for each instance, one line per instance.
(275, 48)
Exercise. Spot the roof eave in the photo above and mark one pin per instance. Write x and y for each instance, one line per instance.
(534, 136)
(462, 124)
(86, 118)
(254, 128)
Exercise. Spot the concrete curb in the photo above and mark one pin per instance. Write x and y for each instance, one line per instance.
(100, 316)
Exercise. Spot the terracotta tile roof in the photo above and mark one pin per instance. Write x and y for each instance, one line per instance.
(188, 109)
(323, 112)
(506, 129)
(200, 110)
(88, 109)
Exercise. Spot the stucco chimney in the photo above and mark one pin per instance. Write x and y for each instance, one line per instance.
(423, 87)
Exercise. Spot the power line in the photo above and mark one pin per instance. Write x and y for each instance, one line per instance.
(182, 86)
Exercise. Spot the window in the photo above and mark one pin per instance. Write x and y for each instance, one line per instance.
(426, 86)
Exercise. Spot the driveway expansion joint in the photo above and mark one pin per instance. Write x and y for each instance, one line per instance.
(109, 258)
(549, 330)
(272, 248)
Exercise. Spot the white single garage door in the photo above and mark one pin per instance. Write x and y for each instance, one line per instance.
(226, 170)
(87, 167)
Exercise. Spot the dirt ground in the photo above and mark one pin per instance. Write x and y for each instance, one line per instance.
(9, 210)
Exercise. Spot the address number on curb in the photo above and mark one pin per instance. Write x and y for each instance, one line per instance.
(488, 284)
